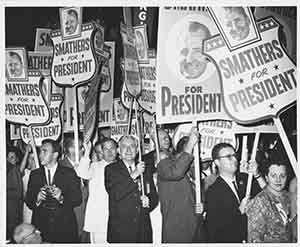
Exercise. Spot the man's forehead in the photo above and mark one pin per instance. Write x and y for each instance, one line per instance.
(127, 141)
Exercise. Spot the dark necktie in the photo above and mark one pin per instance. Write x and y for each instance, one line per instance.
(49, 177)
(236, 188)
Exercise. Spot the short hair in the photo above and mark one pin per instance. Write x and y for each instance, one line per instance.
(181, 144)
(15, 150)
(128, 137)
(218, 147)
(19, 232)
(107, 139)
(55, 145)
(275, 158)
(240, 10)
(196, 26)
(69, 138)
(73, 12)
(14, 54)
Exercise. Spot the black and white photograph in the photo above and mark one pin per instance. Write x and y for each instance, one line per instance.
(204, 152)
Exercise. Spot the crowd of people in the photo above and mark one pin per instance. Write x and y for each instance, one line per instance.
(115, 196)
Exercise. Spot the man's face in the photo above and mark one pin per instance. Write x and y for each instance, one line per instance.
(109, 151)
(15, 66)
(47, 156)
(98, 152)
(31, 235)
(276, 177)
(128, 149)
(227, 161)
(238, 24)
(12, 158)
(71, 24)
(163, 139)
(71, 150)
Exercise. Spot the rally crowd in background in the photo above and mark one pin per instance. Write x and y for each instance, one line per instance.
(104, 198)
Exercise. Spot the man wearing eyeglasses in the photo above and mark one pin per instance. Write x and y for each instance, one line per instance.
(225, 199)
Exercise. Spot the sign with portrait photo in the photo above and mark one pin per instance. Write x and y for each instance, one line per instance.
(16, 64)
(70, 22)
(188, 86)
(236, 24)
(141, 43)
(74, 60)
(258, 80)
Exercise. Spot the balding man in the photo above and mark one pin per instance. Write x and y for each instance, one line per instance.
(27, 234)
(129, 220)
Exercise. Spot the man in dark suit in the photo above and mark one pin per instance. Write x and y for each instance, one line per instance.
(53, 192)
(69, 161)
(129, 220)
(225, 201)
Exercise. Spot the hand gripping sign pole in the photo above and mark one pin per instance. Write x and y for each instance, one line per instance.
(139, 140)
(253, 155)
(32, 142)
(286, 144)
(197, 174)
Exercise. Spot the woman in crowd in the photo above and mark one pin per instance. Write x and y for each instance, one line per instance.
(268, 213)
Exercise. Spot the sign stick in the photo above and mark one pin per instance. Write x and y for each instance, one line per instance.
(139, 139)
(156, 141)
(76, 135)
(32, 142)
(130, 116)
(253, 155)
(197, 173)
(244, 149)
(286, 144)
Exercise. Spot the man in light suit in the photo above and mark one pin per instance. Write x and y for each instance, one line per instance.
(129, 220)
(53, 192)
(225, 201)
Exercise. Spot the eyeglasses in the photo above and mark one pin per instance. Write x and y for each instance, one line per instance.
(229, 156)
(35, 231)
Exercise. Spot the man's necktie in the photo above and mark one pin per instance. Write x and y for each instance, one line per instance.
(49, 177)
(236, 189)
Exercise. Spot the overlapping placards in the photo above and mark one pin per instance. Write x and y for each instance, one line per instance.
(50, 131)
(43, 41)
(188, 85)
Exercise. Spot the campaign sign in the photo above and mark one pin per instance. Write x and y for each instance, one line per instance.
(211, 133)
(40, 61)
(25, 102)
(148, 75)
(120, 113)
(141, 43)
(120, 129)
(14, 130)
(126, 98)
(90, 109)
(74, 61)
(43, 41)
(131, 69)
(188, 85)
(106, 93)
(258, 81)
(50, 131)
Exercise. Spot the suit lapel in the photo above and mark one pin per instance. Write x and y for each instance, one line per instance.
(56, 175)
(123, 169)
(228, 190)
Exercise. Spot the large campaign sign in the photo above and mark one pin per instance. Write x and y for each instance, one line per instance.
(258, 80)
(211, 133)
(188, 85)
(24, 101)
(107, 88)
(50, 131)
(131, 69)
(74, 61)
(148, 75)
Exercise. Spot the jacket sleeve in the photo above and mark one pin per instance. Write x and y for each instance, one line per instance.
(118, 186)
(152, 194)
(168, 169)
(32, 191)
(72, 196)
